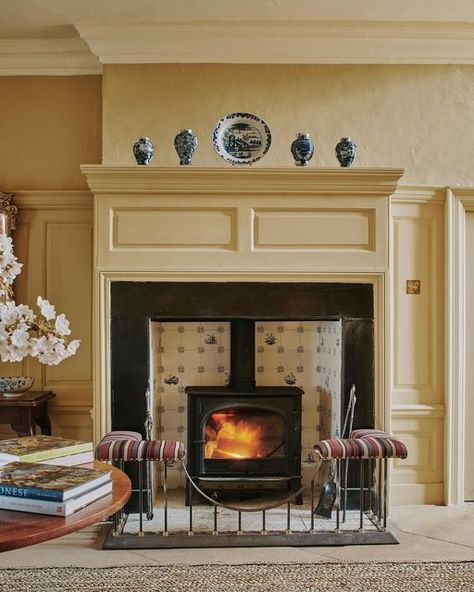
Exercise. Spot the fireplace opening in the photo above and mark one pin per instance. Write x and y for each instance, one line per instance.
(175, 334)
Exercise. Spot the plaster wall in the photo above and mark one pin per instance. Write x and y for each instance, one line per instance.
(49, 125)
(407, 116)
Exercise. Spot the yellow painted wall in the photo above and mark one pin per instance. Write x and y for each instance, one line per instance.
(416, 117)
(49, 125)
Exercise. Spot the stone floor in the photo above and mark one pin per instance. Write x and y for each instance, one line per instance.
(425, 533)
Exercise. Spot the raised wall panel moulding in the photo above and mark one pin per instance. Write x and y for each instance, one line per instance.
(404, 494)
(47, 57)
(53, 200)
(399, 411)
(299, 42)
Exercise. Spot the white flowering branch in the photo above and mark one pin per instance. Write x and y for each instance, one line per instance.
(22, 332)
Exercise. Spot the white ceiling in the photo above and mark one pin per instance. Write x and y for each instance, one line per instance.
(77, 36)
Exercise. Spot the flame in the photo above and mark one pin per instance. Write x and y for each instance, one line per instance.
(230, 436)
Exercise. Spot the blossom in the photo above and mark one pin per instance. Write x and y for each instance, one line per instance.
(62, 325)
(22, 332)
(47, 309)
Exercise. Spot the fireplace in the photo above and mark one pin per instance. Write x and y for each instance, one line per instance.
(209, 245)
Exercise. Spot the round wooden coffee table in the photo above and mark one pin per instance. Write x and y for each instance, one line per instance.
(19, 529)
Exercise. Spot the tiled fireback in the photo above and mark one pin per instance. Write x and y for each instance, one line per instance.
(307, 354)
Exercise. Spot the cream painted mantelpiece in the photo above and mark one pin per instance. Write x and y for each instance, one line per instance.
(241, 224)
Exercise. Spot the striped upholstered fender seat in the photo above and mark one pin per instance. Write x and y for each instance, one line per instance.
(371, 432)
(121, 435)
(363, 448)
(126, 450)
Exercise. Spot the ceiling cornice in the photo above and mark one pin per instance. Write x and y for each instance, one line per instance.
(240, 42)
(277, 42)
(47, 57)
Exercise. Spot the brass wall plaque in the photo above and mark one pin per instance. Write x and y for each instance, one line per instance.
(413, 286)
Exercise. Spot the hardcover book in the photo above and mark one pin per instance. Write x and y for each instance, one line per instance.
(41, 506)
(48, 482)
(38, 448)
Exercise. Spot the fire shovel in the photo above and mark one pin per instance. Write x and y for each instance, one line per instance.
(327, 498)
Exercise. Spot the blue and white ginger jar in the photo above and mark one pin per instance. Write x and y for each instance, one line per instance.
(185, 144)
(302, 149)
(346, 152)
(143, 150)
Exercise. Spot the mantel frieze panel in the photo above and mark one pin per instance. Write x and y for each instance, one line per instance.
(184, 218)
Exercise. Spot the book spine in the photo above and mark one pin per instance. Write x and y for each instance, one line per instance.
(31, 493)
(32, 505)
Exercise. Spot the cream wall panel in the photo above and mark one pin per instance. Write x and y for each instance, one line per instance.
(68, 260)
(418, 411)
(172, 227)
(314, 229)
(420, 477)
(54, 243)
(418, 319)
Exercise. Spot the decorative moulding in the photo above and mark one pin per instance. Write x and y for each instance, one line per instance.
(299, 42)
(54, 200)
(47, 57)
(274, 181)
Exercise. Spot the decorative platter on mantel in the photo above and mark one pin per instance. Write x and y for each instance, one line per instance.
(241, 138)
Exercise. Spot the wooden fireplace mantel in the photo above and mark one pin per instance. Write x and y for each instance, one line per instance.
(240, 218)
(239, 224)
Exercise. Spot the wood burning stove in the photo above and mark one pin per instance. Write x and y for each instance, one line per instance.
(243, 436)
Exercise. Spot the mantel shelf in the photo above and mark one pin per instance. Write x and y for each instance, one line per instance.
(237, 180)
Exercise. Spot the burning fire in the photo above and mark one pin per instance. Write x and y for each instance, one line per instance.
(228, 435)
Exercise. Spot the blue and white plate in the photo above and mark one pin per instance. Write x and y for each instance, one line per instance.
(241, 138)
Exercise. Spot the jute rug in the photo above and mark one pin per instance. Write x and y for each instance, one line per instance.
(294, 577)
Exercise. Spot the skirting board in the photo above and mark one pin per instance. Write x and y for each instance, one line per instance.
(277, 539)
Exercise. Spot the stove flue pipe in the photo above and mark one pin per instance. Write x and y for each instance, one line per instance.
(242, 355)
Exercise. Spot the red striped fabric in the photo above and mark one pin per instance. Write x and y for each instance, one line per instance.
(363, 448)
(121, 435)
(140, 450)
(363, 433)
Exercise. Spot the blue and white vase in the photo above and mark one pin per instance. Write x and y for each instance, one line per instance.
(346, 152)
(185, 144)
(302, 149)
(143, 150)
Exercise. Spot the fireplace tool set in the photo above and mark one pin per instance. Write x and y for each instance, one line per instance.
(328, 494)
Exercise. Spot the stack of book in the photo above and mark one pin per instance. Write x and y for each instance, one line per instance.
(51, 489)
(46, 449)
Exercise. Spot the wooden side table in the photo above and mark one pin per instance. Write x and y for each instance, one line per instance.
(26, 412)
(19, 529)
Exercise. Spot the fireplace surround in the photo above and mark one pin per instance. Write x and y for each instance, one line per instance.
(157, 227)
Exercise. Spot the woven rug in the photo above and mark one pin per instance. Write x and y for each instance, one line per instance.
(294, 577)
